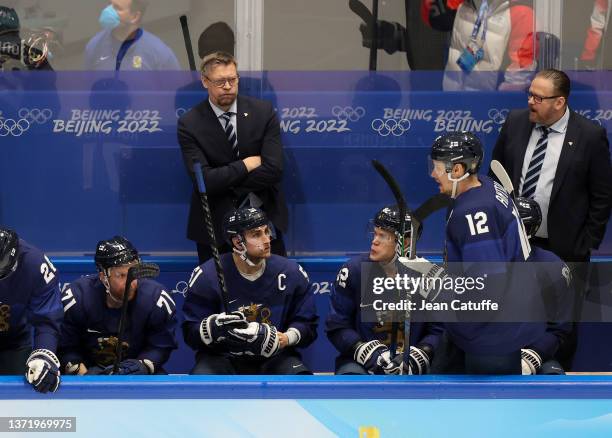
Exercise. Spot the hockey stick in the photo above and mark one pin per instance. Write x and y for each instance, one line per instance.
(374, 48)
(197, 170)
(503, 177)
(433, 204)
(400, 251)
(187, 38)
(362, 11)
(141, 270)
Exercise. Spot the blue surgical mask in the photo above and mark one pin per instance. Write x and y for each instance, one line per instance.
(109, 18)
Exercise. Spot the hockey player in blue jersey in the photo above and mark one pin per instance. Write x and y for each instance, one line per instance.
(29, 298)
(271, 304)
(554, 279)
(92, 307)
(364, 346)
(484, 236)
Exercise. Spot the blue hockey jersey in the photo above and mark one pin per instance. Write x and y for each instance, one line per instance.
(282, 297)
(554, 279)
(89, 332)
(484, 237)
(30, 297)
(344, 325)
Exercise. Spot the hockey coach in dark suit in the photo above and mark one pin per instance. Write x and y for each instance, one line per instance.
(562, 160)
(237, 141)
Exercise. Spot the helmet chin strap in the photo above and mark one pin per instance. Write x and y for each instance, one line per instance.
(107, 287)
(242, 253)
(456, 181)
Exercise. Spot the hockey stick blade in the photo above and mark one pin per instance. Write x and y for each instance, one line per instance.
(503, 177)
(188, 46)
(144, 270)
(430, 206)
(400, 201)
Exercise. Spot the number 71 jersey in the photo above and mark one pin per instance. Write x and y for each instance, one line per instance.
(484, 226)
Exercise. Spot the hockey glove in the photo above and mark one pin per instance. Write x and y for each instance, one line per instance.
(257, 339)
(134, 366)
(216, 328)
(531, 362)
(420, 358)
(375, 357)
(75, 369)
(430, 273)
(390, 36)
(42, 370)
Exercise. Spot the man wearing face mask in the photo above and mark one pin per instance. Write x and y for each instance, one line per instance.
(92, 307)
(29, 298)
(124, 45)
(271, 307)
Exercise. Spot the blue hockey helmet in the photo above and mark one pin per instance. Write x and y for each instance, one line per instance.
(9, 251)
(238, 221)
(117, 251)
(388, 218)
(530, 213)
(458, 147)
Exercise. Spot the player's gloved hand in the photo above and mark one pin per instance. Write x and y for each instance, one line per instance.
(42, 370)
(375, 357)
(216, 327)
(133, 366)
(257, 339)
(430, 272)
(390, 36)
(420, 358)
(552, 368)
(531, 362)
(75, 369)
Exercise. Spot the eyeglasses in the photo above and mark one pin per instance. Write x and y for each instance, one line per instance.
(539, 99)
(220, 83)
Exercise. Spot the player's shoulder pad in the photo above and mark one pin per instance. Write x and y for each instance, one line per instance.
(29, 255)
(84, 286)
(148, 287)
(355, 262)
(287, 266)
(204, 277)
(152, 295)
(81, 295)
(34, 268)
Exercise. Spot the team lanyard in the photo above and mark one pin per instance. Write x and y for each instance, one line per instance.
(483, 15)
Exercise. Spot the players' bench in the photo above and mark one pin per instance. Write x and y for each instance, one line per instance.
(175, 272)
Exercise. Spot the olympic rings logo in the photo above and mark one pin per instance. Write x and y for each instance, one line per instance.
(180, 112)
(348, 113)
(391, 126)
(498, 115)
(13, 127)
(36, 115)
(180, 288)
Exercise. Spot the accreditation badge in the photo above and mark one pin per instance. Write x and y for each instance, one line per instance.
(137, 62)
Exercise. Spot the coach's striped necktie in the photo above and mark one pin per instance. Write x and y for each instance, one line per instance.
(230, 133)
(535, 165)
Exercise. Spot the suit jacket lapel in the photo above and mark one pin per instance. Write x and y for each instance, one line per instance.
(570, 142)
(521, 146)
